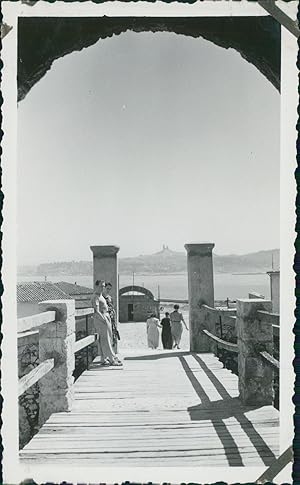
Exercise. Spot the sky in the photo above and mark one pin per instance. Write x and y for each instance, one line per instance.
(145, 139)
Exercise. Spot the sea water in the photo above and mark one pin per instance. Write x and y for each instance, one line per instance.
(175, 285)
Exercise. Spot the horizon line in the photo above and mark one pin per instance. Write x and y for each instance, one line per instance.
(142, 255)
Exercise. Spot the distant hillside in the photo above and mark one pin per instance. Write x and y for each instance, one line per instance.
(254, 262)
(65, 268)
(168, 261)
(164, 261)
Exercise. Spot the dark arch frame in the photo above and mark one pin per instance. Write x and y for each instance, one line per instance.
(41, 40)
(136, 288)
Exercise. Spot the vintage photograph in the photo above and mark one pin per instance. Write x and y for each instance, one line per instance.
(148, 241)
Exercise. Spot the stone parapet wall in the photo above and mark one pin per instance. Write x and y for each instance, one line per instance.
(218, 321)
(28, 359)
(56, 340)
(53, 340)
(254, 336)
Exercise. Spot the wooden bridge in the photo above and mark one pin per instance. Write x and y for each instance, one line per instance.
(163, 408)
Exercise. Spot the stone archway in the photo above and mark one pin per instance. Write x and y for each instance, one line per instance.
(41, 42)
(138, 289)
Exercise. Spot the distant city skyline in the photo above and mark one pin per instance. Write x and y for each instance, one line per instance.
(149, 254)
(143, 140)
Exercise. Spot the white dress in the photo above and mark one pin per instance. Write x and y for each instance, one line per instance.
(103, 328)
(152, 332)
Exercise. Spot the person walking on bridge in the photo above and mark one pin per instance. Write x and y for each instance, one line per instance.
(102, 325)
(166, 334)
(176, 326)
(152, 331)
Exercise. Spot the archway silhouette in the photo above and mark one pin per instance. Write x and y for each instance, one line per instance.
(43, 40)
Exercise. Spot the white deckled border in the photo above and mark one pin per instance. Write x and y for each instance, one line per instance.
(13, 473)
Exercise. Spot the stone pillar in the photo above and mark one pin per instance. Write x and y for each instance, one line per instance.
(56, 340)
(201, 291)
(254, 336)
(275, 290)
(105, 264)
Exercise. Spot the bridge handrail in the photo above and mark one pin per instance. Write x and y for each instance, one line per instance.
(210, 308)
(222, 343)
(34, 321)
(269, 317)
(223, 311)
(27, 333)
(266, 316)
(35, 375)
(85, 342)
(270, 360)
(46, 366)
(30, 325)
(276, 328)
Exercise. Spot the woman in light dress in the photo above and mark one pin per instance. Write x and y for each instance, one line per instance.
(152, 331)
(112, 314)
(176, 326)
(102, 325)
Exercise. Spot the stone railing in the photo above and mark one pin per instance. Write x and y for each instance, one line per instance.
(252, 344)
(272, 359)
(220, 322)
(48, 346)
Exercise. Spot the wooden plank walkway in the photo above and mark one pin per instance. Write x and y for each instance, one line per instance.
(163, 408)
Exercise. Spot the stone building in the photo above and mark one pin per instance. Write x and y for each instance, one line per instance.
(136, 304)
(81, 294)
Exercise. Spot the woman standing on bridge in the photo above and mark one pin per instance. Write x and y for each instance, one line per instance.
(112, 314)
(176, 326)
(102, 324)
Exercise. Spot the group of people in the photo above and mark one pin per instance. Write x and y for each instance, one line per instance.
(172, 328)
(108, 335)
(105, 324)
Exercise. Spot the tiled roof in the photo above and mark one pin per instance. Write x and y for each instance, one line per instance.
(73, 289)
(35, 291)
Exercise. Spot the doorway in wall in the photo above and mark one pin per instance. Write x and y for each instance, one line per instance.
(130, 312)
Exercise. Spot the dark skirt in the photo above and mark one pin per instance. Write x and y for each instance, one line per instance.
(166, 336)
